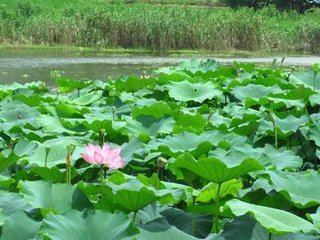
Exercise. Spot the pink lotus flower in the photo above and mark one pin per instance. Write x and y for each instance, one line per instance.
(105, 155)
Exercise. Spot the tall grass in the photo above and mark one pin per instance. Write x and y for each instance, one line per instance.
(158, 27)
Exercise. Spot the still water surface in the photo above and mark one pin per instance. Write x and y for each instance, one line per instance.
(33, 65)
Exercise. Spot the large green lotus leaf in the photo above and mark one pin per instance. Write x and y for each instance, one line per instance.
(68, 85)
(173, 77)
(186, 91)
(244, 228)
(98, 225)
(134, 84)
(294, 236)
(147, 126)
(16, 113)
(197, 225)
(24, 147)
(268, 156)
(210, 191)
(57, 152)
(131, 148)
(6, 182)
(152, 108)
(192, 66)
(214, 169)
(278, 103)
(315, 99)
(195, 66)
(46, 196)
(255, 91)
(275, 220)
(19, 226)
(12, 202)
(33, 100)
(306, 78)
(156, 126)
(69, 111)
(219, 121)
(87, 99)
(132, 195)
(315, 217)
(52, 125)
(285, 126)
(193, 123)
(313, 131)
(7, 160)
(49, 174)
(160, 229)
(197, 144)
(297, 187)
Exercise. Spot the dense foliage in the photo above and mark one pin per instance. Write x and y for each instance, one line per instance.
(215, 152)
(86, 24)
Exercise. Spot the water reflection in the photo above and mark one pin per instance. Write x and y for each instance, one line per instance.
(29, 65)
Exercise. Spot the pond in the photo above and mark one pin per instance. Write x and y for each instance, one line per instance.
(22, 66)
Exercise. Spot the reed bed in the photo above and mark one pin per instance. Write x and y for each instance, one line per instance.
(159, 27)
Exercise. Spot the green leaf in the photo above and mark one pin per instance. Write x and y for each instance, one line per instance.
(214, 169)
(19, 226)
(275, 220)
(244, 228)
(197, 225)
(306, 78)
(132, 195)
(160, 229)
(12, 202)
(268, 156)
(192, 66)
(210, 191)
(297, 187)
(254, 91)
(154, 108)
(7, 161)
(197, 144)
(186, 91)
(286, 126)
(68, 85)
(47, 196)
(98, 225)
(52, 125)
(16, 114)
(87, 99)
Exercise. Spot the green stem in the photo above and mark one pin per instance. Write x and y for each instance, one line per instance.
(193, 218)
(134, 217)
(314, 81)
(68, 172)
(101, 174)
(46, 156)
(276, 137)
(217, 211)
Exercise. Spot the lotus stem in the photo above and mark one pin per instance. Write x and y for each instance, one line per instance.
(134, 216)
(193, 217)
(273, 118)
(314, 80)
(102, 137)
(70, 149)
(216, 223)
(47, 150)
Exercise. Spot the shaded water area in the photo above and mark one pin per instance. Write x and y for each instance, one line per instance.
(34, 65)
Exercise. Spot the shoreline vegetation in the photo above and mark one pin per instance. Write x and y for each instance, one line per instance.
(154, 27)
